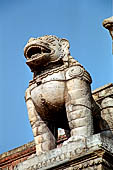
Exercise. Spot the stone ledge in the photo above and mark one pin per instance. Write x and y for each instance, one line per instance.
(107, 86)
(18, 149)
(74, 150)
(105, 91)
(17, 155)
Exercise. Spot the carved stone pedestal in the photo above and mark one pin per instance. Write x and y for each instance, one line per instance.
(94, 152)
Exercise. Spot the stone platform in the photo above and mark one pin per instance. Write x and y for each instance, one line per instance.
(94, 152)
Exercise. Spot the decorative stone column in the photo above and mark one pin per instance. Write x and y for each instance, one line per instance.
(108, 24)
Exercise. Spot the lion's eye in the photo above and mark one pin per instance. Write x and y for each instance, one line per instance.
(51, 40)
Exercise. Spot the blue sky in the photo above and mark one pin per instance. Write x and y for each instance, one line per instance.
(79, 21)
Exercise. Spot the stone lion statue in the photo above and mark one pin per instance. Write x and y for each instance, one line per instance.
(59, 96)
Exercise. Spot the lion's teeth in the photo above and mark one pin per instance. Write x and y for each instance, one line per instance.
(42, 49)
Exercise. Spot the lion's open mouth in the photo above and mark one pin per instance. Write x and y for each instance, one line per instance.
(36, 51)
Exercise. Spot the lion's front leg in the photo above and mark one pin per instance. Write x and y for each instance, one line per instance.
(43, 137)
(78, 105)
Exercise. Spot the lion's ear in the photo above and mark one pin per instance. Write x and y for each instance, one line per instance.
(64, 43)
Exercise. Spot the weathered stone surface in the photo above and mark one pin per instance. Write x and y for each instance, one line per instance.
(108, 24)
(10, 159)
(104, 97)
(59, 96)
(88, 153)
(107, 112)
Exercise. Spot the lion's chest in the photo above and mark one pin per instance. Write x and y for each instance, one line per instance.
(48, 97)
